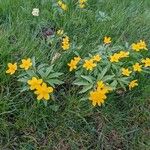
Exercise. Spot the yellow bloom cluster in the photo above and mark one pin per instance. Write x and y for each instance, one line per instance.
(133, 84)
(12, 68)
(62, 5)
(98, 96)
(73, 63)
(117, 56)
(82, 3)
(136, 68)
(141, 45)
(146, 62)
(91, 63)
(107, 40)
(65, 43)
(41, 89)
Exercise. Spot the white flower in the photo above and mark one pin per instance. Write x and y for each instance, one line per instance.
(35, 12)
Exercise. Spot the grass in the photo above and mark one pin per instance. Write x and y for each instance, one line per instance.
(123, 123)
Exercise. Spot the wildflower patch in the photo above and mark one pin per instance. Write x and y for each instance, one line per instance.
(96, 74)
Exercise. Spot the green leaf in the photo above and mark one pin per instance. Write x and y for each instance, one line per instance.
(114, 84)
(86, 88)
(95, 72)
(146, 71)
(88, 78)
(41, 72)
(24, 80)
(76, 53)
(45, 103)
(48, 70)
(54, 107)
(124, 80)
(104, 71)
(52, 82)
(122, 85)
(115, 67)
(25, 88)
(84, 98)
(54, 75)
(108, 78)
(22, 75)
(80, 82)
(99, 67)
(31, 73)
(41, 67)
(33, 62)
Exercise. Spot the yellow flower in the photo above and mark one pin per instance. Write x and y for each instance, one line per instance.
(135, 47)
(60, 32)
(65, 47)
(99, 95)
(62, 5)
(107, 40)
(43, 92)
(96, 58)
(137, 67)
(123, 54)
(100, 85)
(65, 40)
(139, 46)
(146, 62)
(11, 68)
(65, 43)
(77, 59)
(26, 64)
(34, 83)
(73, 63)
(82, 1)
(82, 5)
(114, 58)
(89, 64)
(142, 45)
(126, 72)
(133, 84)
